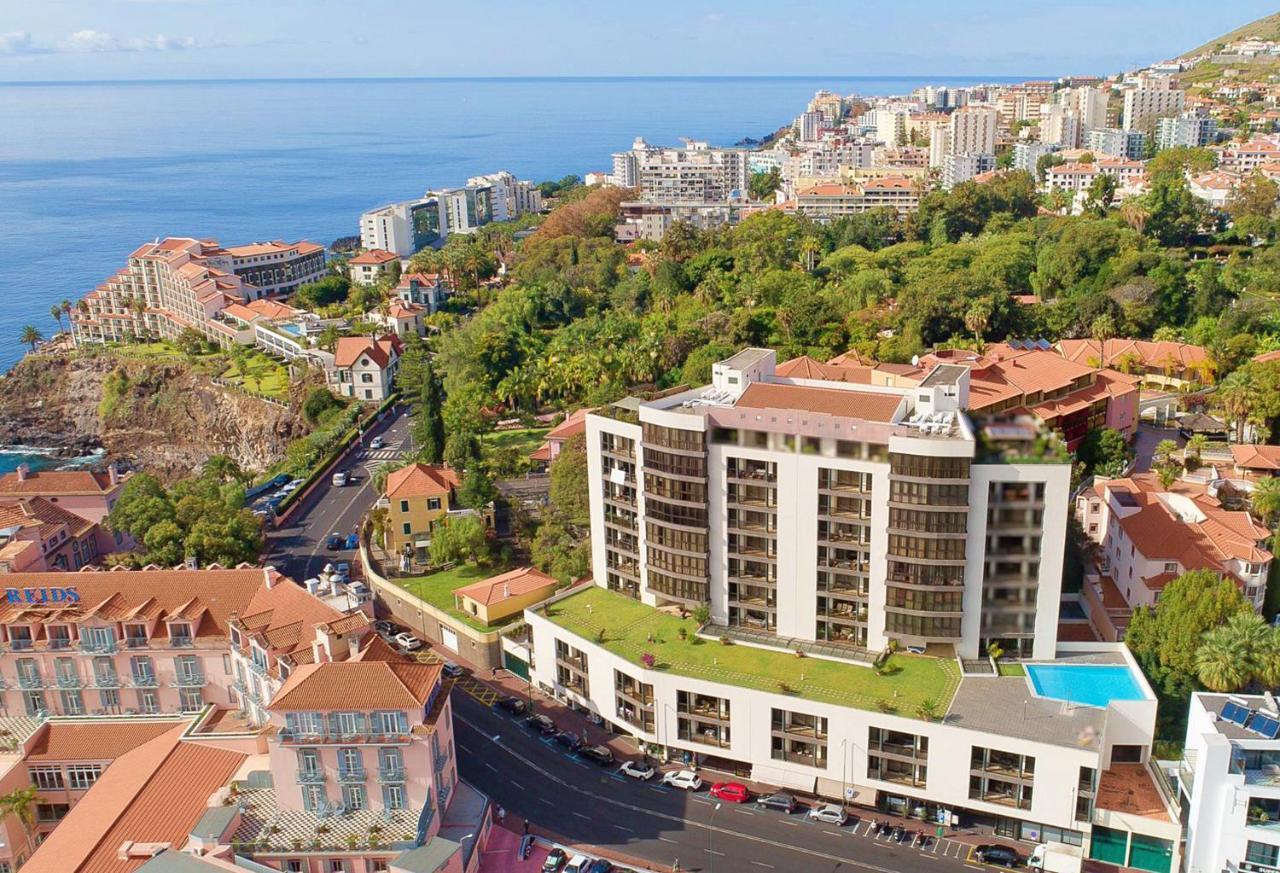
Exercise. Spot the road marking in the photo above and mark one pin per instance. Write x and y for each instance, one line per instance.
(668, 840)
(713, 852)
(624, 828)
(581, 816)
(849, 863)
(465, 749)
(517, 785)
(657, 789)
(489, 766)
(794, 824)
(762, 864)
(745, 811)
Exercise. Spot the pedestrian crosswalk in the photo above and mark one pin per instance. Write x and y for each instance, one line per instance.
(372, 459)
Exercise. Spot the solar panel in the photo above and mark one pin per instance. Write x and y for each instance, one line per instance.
(1265, 725)
(1235, 713)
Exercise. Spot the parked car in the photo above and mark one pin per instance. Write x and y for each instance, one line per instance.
(334, 541)
(513, 705)
(578, 864)
(569, 740)
(376, 443)
(731, 792)
(555, 860)
(637, 770)
(828, 813)
(600, 865)
(541, 724)
(383, 627)
(353, 541)
(408, 641)
(340, 479)
(1002, 856)
(779, 800)
(452, 670)
(602, 755)
(686, 779)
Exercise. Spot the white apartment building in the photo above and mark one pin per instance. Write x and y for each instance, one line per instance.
(693, 173)
(1027, 154)
(1060, 126)
(809, 126)
(1151, 98)
(1116, 142)
(1089, 103)
(1229, 780)
(957, 168)
(827, 519)
(1191, 129)
(402, 228)
(511, 197)
(888, 126)
(973, 131)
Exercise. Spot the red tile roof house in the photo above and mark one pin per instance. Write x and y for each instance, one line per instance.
(574, 424)
(1147, 537)
(365, 367)
(369, 266)
(37, 535)
(1167, 364)
(88, 494)
(1255, 462)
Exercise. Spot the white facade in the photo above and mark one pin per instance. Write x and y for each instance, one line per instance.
(1119, 143)
(391, 228)
(1148, 100)
(809, 126)
(1230, 785)
(1026, 155)
(973, 130)
(1189, 129)
(1060, 126)
(957, 168)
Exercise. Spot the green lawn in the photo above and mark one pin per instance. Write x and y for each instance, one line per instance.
(523, 440)
(147, 350)
(262, 375)
(632, 629)
(1009, 669)
(437, 589)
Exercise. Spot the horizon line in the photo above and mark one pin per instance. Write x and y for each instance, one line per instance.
(980, 78)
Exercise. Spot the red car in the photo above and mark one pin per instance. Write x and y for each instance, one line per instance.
(731, 792)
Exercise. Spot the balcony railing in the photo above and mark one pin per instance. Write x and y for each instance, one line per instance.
(182, 642)
(144, 680)
(351, 775)
(295, 738)
(58, 644)
(70, 682)
(311, 777)
(30, 682)
(190, 680)
(136, 642)
(106, 680)
(98, 647)
(21, 645)
(390, 775)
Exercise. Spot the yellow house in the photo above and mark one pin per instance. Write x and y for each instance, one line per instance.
(499, 597)
(419, 495)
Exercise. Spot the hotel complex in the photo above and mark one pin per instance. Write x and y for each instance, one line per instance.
(178, 283)
(265, 719)
(854, 553)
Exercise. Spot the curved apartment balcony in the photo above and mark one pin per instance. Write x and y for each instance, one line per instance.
(352, 776)
(311, 777)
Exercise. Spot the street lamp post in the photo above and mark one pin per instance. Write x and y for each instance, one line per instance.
(711, 863)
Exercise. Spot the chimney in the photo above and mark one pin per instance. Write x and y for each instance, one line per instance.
(113, 474)
(23, 471)
(506, 590)
(269, 577)
(191, 562)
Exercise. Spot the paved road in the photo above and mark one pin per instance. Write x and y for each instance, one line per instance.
(298, 549)
(591, 805)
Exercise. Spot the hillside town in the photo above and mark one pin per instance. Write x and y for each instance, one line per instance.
(899, 492)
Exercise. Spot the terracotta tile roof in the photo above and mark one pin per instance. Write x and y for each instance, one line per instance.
(250, 250)
(103, 740)
(40, 513)
(364, 684)
(421, 480)
(123, 593)
(1256, 457)
(1111, 352)
(58, 482)
(350, 348)
(805, 367)
(541, 453)
(286, 615)
(377, 649)
(374, 257)
(154, 793)
(827, 401)
(1267, 357)
(515, 583)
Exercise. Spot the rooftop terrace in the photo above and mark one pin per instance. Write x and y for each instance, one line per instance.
(632, 629)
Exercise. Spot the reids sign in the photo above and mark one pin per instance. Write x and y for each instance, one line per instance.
(42, 595)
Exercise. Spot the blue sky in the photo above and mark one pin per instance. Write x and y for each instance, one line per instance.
(163, 39)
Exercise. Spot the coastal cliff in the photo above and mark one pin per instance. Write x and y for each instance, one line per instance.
(162, 415)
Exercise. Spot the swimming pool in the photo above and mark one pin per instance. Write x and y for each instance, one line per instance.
(1085, 684)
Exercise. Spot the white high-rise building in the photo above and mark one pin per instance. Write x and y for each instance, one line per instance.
(512, 197)
(1060, 126)
(1026, 155)
(1229, 780)
(695, 173)
(889, 126)
(1091, 104)
(815, 520)
(1191, 129)
(1150, 98)
(809, 126)
(402, 228)
(1118, 143)
(939, 144)
(962, 168)
(973, 130)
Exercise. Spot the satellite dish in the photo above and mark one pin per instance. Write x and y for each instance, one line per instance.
(915, 360)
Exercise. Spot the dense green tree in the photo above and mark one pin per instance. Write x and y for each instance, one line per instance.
(762, 185)
(427, 426)
(323, 292)
(1104, 451)
(459, 538)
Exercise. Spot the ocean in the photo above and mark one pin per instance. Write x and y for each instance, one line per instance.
(90, 170)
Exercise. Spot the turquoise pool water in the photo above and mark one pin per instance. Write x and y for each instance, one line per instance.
(1086, 684)
(290, 327)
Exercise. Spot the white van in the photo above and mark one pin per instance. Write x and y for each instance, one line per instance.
(339, 479)
(578, 864)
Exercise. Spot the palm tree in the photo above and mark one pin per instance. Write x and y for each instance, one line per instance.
(379, 477)
(1235, 395)
(55, 312)
(32, 336)
(1165, 449)
(1265, 500)
(1220, 663)
(21, 804)
(1195, 449)
(1167, 473)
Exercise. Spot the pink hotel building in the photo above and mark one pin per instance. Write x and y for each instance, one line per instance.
(324, 749)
